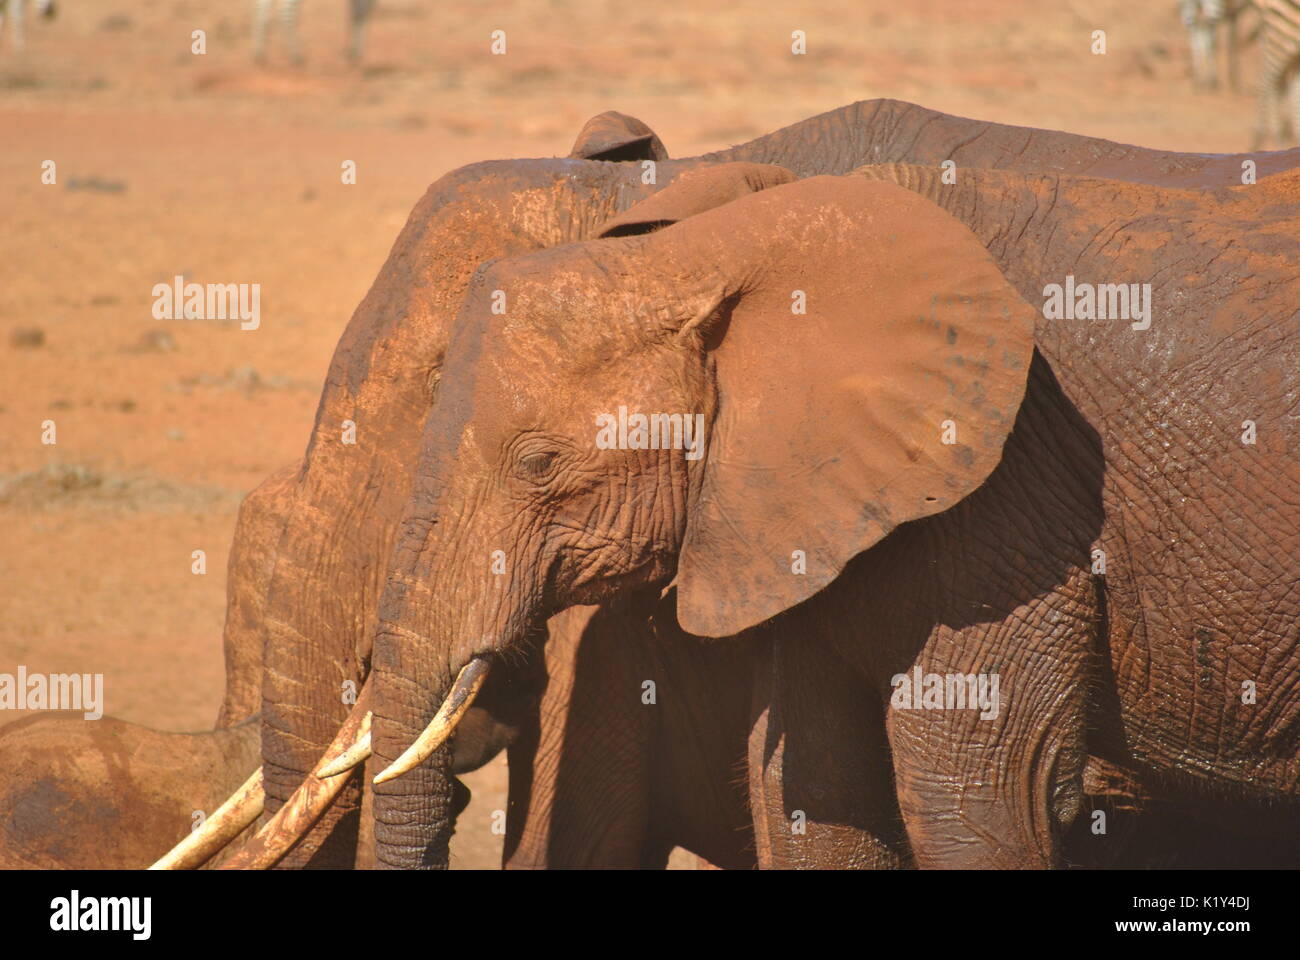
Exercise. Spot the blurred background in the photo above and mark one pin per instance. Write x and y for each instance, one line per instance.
(227, 171)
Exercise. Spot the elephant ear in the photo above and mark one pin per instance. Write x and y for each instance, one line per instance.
(888, 399)
(693, 192)
(616, 136)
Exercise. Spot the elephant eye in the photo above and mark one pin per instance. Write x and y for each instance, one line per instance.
(536, 467)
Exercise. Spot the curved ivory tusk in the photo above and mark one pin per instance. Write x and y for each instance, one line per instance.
(359, 752)
(301, 811)
(463, 691)
(226, 823)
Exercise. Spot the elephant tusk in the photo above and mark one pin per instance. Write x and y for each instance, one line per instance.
(229, 820)
(359, 752)
(463, 691)
(301, 811)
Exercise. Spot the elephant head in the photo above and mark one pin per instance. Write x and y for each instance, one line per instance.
(743, 400)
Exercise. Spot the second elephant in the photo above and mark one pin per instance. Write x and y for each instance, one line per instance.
(863, 429)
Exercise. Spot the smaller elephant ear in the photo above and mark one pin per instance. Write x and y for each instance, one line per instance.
(869, 360)
(694, 192)
(615, 136)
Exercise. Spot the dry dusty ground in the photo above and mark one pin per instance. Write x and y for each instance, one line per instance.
(171, 163)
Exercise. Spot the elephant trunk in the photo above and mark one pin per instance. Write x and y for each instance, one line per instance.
(311, 653)
(413, 815)
(448, 609)
(422, 632)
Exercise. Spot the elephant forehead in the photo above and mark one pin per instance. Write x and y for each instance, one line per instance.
(562, 310)
(520, 392)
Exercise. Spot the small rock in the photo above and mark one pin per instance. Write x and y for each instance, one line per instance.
(75, 477)
(154, 341)
(96, 184)
(27, 338)
(244, 377)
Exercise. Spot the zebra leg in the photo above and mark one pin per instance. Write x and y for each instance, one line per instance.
(1292, 131)
(1189, 11)
(1269, 105)
(1233, 43)
(16, 16)
(289, 30)
(360, 12)
(1204, 65)
(261, 17)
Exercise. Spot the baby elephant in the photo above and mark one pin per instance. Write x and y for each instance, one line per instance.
(108, 794)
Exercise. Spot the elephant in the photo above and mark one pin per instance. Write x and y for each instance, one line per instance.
(990, 490)
(319, 612)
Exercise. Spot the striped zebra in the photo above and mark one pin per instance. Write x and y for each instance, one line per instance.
(12, 11)
(358, 12)
(1279, 74)
(1203, 19)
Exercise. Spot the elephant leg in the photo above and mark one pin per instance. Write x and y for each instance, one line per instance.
(702, 692)
(996, 785)
(820, 783)
(580, 769)
(636, 746)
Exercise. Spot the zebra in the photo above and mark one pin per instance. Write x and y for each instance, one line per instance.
(1202, 18)
(358, 12)
(1279, 71)
(12, 10)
